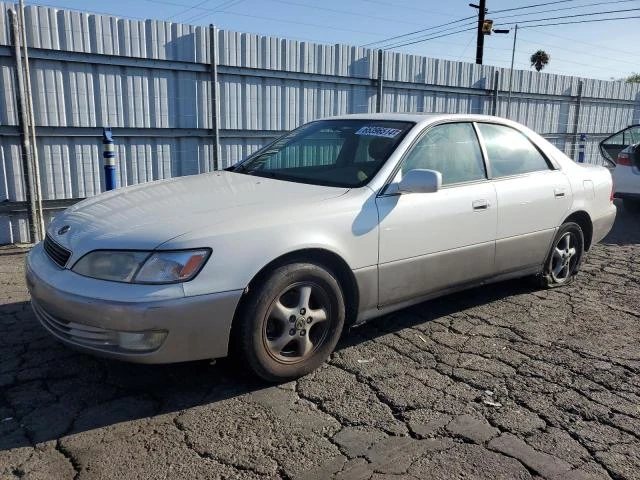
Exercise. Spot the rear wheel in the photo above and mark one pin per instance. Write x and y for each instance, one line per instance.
(565, 257)
(291, 322)
(631, 205)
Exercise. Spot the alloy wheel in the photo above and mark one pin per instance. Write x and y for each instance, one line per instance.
(564, 258)
(296, 323)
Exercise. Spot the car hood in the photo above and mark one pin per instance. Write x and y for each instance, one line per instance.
(147, 215)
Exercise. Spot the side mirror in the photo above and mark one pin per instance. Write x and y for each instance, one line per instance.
(420, 181)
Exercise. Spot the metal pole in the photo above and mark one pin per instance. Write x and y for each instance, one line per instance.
(32, 127)
(513, 56)
(496, 81)
(215, 134)
(480, 37)
(27, 164)
(109, 156)
(576, 120)
(583, 138)
(379, 83)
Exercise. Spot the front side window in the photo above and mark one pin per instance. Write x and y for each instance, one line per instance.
(510, 152)
(451, 149)
(341, 153)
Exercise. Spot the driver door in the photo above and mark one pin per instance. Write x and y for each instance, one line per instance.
(434, 241)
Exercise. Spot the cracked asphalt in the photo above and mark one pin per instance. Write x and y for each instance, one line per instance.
(501, 382)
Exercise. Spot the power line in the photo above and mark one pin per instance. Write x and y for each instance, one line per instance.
(295, 22)
(386, 40)
(223, 7)
(273, 19)
(578, 15)
(430, 38)
(580, 21)
(395, 5)
(626, 52)
(561, 9)
(531, 6)
(188, 9)
(590, 54)
(343, 12)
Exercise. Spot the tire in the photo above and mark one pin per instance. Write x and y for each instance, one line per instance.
(564, 259)
(291, 322)
(631, 205)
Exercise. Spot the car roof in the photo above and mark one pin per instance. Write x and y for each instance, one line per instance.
(421, 118)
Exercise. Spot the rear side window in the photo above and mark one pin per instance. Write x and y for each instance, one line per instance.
(510, 152)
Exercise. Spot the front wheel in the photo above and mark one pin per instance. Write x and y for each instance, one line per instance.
(291, 322)
(565, 257)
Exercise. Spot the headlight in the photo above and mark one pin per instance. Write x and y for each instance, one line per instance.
(142, 267)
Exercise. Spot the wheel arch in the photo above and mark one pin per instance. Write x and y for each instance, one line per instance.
(320, 256)
(583, 219)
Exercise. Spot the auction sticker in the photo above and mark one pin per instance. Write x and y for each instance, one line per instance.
(379, 132)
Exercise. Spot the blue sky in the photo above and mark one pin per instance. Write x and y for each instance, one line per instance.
(598, 50)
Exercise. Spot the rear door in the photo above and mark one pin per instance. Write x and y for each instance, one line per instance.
(611, 146)
(533, 197)
(432, 241)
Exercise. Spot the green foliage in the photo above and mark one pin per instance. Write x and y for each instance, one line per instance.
(540, 59)
(633, 78)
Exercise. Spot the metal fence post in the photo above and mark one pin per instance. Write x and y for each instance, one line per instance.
(576, 121)
(213, 60)
(496, 81)
(27, 163)
(32, 123)
(379, 82)
(109, 155)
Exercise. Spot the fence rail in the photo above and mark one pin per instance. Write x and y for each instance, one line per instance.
(151, 82)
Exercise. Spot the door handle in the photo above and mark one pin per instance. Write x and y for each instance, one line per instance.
(480, 204)
(559, 192)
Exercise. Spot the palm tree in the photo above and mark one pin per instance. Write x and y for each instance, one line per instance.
(540, 59)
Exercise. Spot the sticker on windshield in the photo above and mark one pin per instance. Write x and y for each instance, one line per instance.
(379, 132)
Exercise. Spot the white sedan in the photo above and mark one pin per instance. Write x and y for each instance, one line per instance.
(340, 221)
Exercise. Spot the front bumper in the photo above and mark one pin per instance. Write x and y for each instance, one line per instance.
(88, 314)
(603, 224)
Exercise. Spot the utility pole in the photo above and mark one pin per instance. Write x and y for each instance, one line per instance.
(482, 10)
(513, 56)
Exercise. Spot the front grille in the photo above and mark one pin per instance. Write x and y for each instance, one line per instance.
(57, 253)
(77, 333)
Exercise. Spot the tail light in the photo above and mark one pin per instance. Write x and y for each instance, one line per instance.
(624, 159)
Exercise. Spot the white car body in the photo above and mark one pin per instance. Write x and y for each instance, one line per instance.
(386, 242)
(626, 177)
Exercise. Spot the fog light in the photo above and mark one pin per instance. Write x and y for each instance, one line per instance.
(141, 341)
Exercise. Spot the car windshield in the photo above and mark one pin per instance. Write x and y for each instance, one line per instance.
(339, 153)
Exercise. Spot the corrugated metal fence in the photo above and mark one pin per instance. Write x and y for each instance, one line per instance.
(151, 82)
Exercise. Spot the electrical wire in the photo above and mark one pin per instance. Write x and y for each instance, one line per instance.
(577, 15)
(531, 6)
(577, 52)
(560, 9)
(386, 40)
(404, 7)
(578, 21)
(561, 37)
(430, 38)
(188, 9)
(342, 12)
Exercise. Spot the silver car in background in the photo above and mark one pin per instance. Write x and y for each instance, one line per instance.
(333, 224)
